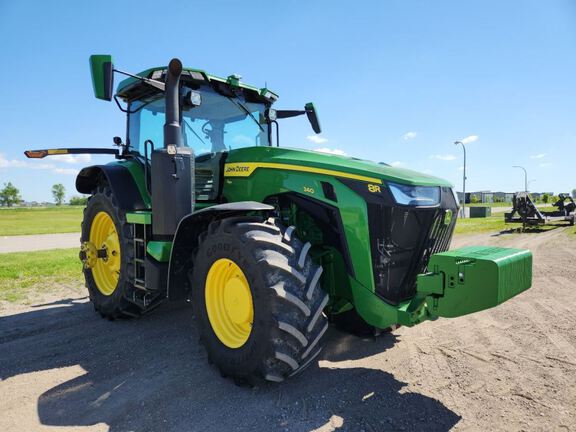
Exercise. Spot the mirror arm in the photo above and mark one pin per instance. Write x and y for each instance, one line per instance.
(288, 113)
(159, 85)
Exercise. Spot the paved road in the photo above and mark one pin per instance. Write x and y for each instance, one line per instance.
(39, 242)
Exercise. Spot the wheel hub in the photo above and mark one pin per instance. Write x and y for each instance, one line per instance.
(238, 301)
(102, 253)
(88, 254)
(229, 303)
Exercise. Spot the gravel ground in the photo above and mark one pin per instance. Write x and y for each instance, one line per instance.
(510, 368)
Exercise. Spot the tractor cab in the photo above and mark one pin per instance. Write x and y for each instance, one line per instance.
(216, 116)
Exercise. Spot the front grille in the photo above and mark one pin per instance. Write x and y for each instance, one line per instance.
(402, 240)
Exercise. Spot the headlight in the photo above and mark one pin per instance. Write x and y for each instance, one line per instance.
(415, 195)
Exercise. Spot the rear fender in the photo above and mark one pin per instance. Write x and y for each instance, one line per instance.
(186, 241)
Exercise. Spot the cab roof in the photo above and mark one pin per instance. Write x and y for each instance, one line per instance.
(133, 89)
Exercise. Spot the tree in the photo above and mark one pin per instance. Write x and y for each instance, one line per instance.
(573, 193)
(10, 195)
(58, 192)
(545, 198)
(76, 200)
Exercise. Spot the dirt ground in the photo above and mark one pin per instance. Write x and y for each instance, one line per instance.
(510, 368)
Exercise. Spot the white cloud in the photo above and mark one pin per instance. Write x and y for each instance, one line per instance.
(316, 139)
(461, 168)
(66, 171)
(12, 163)
(545, 165)
(444, 157)
(538, 156)
(72, 159)
(396, 164)
(331, 151)
(39, 166)
(470, 139)
(428, 171)
(409, 135)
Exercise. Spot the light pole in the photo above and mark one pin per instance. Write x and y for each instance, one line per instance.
(463, 179)
(525, 177)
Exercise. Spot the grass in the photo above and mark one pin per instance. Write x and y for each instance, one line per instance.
(479, 225)
(23, 274)
(490, 224)
(498, 204)
(40, 220)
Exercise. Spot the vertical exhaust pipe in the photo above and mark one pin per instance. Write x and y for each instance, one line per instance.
(172, 128)
(172, 166)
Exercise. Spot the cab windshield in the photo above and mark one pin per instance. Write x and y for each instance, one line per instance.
(219, 124)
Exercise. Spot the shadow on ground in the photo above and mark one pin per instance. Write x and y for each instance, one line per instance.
(151, 374)
(528, 230)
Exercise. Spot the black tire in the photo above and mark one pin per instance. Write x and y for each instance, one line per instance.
(288, 300)
(120, 303)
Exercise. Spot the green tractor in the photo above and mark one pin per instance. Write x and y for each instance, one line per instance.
(268, 243)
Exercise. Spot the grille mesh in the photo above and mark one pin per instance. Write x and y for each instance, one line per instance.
(402, 241)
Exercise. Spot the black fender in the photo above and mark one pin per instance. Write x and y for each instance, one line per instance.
(120, 181)
(186, 240)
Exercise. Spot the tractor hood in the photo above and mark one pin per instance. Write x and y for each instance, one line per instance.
(252, 157)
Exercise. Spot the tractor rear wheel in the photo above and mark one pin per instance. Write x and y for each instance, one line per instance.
(258, 300)
(107, 255)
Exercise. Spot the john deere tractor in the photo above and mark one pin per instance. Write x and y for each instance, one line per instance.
(268, 243)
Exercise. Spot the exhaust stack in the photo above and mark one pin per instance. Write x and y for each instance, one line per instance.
(172, 128)
(172, 166)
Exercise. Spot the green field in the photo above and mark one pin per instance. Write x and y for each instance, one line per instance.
(24, 273)
(478, 225)
(491, 224)
(40, 220)
(498, 204)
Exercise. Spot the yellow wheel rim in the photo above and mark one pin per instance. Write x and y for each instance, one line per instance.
(103, 236)
(229, 303)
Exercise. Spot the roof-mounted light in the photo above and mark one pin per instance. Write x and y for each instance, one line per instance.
(264, 92)
(234, 80)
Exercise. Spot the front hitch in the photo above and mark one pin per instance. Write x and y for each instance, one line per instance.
(468, 280)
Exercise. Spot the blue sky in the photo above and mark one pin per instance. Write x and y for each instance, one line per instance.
(394, 81)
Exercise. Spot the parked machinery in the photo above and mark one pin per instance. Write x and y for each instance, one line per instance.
(525, 211)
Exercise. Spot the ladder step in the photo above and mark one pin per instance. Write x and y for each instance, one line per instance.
(138, 240)
(139, 260)
(140, 287)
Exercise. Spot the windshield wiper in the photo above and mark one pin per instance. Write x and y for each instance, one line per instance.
(194, 132)
(243, 108)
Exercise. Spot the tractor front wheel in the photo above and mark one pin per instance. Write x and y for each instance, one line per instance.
(258, 300)
(107, 256)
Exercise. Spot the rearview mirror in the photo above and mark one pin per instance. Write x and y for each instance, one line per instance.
(312, 117)
(102, 70)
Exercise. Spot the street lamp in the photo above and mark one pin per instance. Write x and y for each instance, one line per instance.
(463, 179)
(525, 177)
